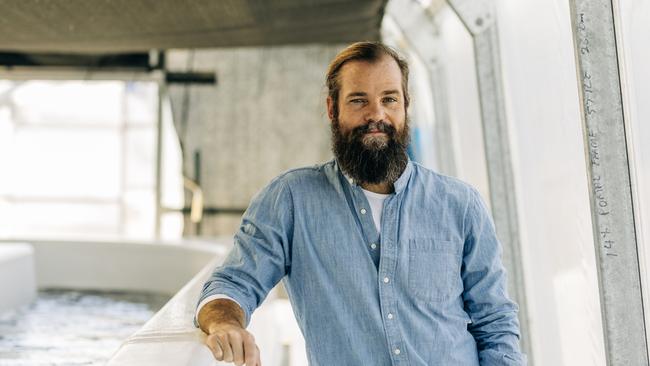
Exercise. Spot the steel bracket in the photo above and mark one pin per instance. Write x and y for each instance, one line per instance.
(476, 15)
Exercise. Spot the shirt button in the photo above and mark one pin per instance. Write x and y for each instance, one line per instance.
(386, 280)
(373, 246)
(363, 211)
(397, 351)
(390, 316)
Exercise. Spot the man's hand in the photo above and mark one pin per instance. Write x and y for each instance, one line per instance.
(231, 343)
(223, 321)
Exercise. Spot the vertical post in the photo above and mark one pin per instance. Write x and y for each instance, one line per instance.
(609, 182)
(124, 130)
(443, 137)
(197, 180)
(162, 94)
(479, 18)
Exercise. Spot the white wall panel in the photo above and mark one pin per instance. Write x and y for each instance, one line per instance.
(464, 109)
(549, 162)
(634, 33)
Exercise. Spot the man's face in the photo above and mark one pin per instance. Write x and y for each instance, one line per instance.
(371, 94)
(370, 135)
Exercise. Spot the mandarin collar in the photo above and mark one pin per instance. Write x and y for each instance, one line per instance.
(399, 185)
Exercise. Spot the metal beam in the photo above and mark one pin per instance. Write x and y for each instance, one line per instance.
(129, 66)
(608, 171)
(120, 61)
(443, 132)
(50, 73)
(479, 18)
(43, 73)
(162, 95)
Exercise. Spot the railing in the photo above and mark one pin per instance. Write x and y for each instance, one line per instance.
(170, 338)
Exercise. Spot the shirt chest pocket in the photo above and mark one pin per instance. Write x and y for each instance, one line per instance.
(434, 269)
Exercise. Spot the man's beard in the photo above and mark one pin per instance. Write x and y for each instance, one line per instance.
(374, 162)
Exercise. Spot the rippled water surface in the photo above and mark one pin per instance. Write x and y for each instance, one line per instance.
(64, 327)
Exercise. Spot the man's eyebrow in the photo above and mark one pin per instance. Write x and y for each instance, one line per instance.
(362, 94)
(356, 94)
(393, 91)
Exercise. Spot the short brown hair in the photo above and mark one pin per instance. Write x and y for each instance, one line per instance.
(363, 51)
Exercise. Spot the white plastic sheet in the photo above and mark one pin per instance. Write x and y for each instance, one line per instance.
(634, 32)
(544, 114)
(462, 94)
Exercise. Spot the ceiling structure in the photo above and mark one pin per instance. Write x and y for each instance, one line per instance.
(126, 26)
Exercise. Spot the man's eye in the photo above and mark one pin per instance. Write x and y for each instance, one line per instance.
(357, 101)
(390, 100)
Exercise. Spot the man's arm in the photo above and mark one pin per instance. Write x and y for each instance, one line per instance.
(495, 326)
(259, 259)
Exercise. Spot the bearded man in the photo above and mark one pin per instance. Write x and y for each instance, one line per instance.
(385, 262)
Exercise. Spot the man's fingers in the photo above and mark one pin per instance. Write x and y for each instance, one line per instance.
(236, 342)
(234, 345)
(251, 352)
(224, 342)
(214, 345)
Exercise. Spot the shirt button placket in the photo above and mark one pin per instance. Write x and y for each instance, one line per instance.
(389, 256)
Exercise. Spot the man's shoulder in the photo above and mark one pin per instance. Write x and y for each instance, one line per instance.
(441, 182)
(307, 174)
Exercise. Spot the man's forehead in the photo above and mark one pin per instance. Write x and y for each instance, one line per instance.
(353, 67)
(384, 72)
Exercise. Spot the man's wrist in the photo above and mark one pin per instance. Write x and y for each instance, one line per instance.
(219, 312)
(215, 325)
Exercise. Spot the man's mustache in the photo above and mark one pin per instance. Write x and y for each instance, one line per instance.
(379, 126)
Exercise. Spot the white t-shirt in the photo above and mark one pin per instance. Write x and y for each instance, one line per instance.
(376, 201)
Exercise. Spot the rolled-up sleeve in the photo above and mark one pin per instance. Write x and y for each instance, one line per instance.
(493, 315)
(260, 256)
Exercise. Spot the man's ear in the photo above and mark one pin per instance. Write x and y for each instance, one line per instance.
(330, 108)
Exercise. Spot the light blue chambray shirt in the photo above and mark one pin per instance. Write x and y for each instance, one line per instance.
(431, 292)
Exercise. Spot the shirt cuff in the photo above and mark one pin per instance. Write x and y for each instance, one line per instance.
(207, 300)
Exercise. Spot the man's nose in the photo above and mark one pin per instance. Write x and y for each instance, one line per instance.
(375, 112)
